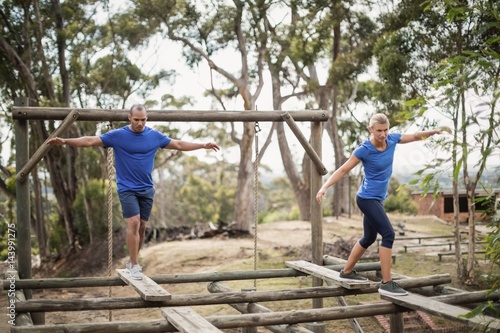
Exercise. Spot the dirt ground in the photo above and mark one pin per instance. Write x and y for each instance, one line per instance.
(276, 242)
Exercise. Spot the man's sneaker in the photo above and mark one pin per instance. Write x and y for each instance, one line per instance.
(352, 276)
(391, 288)
(135, 272)
(128, 266)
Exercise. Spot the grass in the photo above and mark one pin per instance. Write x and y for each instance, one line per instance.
(172, 258)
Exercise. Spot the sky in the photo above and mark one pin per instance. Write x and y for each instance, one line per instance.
(409, 158)
(166, 55)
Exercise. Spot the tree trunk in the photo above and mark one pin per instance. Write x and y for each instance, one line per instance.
(456, 207)
(299, 185)
(300, 182)
(88, 216)
(243, 214)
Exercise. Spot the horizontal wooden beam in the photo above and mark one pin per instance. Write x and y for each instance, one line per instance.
(105, 303)
(82, 282)
(48, 113)
(229, 321)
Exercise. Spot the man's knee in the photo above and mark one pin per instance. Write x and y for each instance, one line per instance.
(134, 223)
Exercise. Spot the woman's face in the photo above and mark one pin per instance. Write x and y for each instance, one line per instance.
(379, 131)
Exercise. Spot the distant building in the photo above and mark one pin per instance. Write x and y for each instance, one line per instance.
(442, 206)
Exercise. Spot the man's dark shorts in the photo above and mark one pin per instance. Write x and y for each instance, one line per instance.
(137, 203)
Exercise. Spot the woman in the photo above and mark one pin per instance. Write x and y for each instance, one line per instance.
(377, 155)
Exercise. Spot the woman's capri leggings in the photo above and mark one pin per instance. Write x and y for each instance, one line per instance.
(375, 221)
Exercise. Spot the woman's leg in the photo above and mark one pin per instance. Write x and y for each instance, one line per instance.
(356, 253)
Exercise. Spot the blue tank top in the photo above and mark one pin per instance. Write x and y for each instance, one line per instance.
(377, 167)
(134, 156)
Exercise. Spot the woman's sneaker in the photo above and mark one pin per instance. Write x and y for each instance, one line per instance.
(352, 276)
(391, 288)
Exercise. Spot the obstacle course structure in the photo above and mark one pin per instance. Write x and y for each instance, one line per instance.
(177, 309)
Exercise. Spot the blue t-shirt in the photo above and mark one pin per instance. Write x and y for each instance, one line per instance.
(377, 166)
(134, 156)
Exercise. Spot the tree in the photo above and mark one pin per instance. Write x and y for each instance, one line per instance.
(58, 54)
(204, 30)
(461, 55)
(474, 70)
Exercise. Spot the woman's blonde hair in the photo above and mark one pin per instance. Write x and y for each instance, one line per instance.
(378, 118)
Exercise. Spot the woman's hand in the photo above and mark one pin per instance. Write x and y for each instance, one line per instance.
(442, 129)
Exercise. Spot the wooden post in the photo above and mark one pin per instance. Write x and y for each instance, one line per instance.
(316, 327)
(23, 216)
(252, 329)
(316, 215)
(396, 323)
(23, 201)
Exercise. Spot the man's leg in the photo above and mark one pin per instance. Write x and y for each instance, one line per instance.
(142, 233)
(133, 238)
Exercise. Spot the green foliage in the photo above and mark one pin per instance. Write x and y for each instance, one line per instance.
(57, 233)
(95, 191)
(399, 199)
(193, 191)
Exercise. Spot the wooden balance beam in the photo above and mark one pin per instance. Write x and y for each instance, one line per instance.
(426, 304)
(325, 274)
(147, 288)
(186, 320)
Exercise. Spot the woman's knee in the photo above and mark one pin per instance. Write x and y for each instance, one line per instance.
(366, 241)
(388, 238)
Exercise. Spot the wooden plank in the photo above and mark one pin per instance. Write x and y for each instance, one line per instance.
(186, 320)
(426, 304)
(325, 274)
(147, 288)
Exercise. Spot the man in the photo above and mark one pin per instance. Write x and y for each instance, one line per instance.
(135, 146)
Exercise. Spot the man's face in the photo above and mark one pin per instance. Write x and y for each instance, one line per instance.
(138, 120)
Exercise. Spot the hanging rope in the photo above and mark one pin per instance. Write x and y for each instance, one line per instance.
(110, 171)
(256, 198)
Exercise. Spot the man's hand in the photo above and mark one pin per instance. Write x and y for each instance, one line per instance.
(211, 145)
(56, 141)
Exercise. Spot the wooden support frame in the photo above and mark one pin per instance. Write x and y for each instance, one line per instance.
(22, 112)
